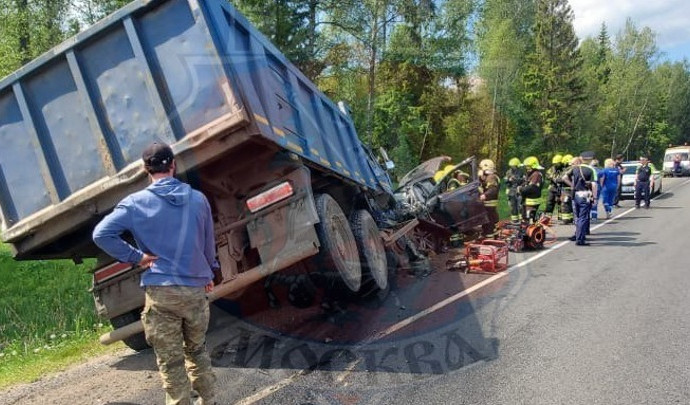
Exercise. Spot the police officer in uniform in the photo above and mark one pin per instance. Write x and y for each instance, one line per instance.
(643, 179)
(514, 178)
(583, 180)
(618, 164)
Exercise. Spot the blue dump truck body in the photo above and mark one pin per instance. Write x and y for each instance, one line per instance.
(191, 73)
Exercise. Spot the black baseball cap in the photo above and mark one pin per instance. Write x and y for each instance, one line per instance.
(157, 155)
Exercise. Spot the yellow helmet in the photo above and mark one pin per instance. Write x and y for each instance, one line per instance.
(443, 172)
(557, 159)
(567, 159)
(487, 164)
(514, 162)
(532, 162)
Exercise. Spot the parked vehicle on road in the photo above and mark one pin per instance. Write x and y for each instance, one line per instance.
(670, 166)
(628, 180)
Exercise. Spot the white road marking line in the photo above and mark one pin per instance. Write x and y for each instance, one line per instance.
(405, 322)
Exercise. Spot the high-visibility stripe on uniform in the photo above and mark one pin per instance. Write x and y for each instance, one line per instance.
(566, 216)
(491, 203)
(532, 201)
(515, 217)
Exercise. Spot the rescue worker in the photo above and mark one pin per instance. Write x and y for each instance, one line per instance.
(583, 180)
(514, 177)
(440, 174)
(566, 193)
(594, 212)
(608, 181)
(643, 181)
(489, 194)
(618, 163)
(531, 190)
(553, 176)
(458, 180)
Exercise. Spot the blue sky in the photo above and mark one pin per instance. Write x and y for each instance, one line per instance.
(669, 19)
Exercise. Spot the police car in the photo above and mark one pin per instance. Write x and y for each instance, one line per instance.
(628, 181)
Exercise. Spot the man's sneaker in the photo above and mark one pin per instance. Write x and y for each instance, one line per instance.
(608, 215)
(572, 238)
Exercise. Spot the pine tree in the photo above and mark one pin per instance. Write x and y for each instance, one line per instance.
(553, 84)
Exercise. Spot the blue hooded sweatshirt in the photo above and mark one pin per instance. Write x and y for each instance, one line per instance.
(169, 220)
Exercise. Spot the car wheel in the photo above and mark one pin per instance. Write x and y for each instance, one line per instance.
(372, 254)
(338, 247)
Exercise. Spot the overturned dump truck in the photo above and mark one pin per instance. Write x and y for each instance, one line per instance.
(289, 182)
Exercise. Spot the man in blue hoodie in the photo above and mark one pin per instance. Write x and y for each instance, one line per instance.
(173, 229)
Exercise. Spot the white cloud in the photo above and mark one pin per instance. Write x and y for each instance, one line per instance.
(669, 19)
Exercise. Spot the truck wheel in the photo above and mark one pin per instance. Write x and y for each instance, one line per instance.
(372, 254)
(338, 248)
(136, 342)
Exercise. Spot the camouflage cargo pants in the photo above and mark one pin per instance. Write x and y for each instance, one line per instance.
(175, 321)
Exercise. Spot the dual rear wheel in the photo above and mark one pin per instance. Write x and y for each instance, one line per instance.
(352, 250)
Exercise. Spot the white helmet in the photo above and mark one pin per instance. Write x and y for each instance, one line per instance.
(487, 165)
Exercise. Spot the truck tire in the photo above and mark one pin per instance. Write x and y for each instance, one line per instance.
(135, 342)
(338, 251)
(372, 254)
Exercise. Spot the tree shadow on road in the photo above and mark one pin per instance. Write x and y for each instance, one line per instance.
(617, 220)
(622, 242)
(621, 233)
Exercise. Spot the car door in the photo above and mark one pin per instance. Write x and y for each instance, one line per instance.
(656, 175)
(460, 208)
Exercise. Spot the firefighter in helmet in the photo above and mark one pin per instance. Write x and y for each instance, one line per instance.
(458, 179)
(489, 193)
(531, 190)
(441, 173)
(553, 176)
(566, 193)
(514, 178)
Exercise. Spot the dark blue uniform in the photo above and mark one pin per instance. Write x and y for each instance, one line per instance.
(642, 178)
(582, 177)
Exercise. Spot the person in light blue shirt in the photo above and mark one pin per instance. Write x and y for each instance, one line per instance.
(172, 226)
(608, 181)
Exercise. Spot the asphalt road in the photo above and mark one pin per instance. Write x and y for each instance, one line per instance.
(603, 324)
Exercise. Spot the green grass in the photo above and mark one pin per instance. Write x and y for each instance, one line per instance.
(47, 317)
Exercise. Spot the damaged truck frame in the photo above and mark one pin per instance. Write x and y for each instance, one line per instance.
(290, 184)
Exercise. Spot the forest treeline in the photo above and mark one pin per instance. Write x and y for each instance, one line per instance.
(492, 78)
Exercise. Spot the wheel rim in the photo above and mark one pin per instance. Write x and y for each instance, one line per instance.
(377, 262)
(347, 251)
